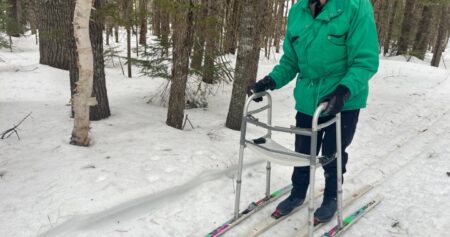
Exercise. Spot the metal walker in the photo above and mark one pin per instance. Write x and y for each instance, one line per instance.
(271, 151)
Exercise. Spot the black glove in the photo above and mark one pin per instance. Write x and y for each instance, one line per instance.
(336, 100)
(262, 85)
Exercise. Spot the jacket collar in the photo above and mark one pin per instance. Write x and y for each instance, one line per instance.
(331, 9)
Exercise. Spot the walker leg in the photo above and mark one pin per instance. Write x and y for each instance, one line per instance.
(239, 182)
(268, 169)
(339, 170)
(312, 174)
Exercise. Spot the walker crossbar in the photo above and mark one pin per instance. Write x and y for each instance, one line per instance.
(268, 149)
(299, 131)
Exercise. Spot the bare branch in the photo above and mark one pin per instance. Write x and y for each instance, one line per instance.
(12, 130)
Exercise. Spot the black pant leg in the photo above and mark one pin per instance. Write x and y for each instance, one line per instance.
(300, 175)
(349, 120)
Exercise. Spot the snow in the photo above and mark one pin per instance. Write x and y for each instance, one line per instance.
(143, 178)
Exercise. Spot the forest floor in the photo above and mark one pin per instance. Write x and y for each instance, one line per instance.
(143, 178)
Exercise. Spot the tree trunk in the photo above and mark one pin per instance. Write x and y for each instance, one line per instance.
(101, 110)
(268, 26)
(143, 20)
(85, 61)
(211, 41)
(232, 26)
(407, 27)
(135, 25)
(390, 29)
(376, 11)
(128, 24)
(384, 22)
(165, 27)
(14, 26)
(442, 36)
(116, 33)
(53, 25)
(247, 58)
(279, 25)
(423, 33)
(182, 41)
(199, 37)
(32, 18)
(156, 19)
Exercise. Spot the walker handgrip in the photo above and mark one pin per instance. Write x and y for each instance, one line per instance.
(257, 95)
(316, 116)
(322, 107)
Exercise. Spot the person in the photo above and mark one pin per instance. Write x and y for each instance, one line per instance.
(332, 47)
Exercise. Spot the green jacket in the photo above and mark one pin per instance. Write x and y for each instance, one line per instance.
(339, 46)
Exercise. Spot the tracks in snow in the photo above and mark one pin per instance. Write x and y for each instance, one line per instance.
(139, 206)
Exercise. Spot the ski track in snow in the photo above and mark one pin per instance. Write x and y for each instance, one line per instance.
(137, 207)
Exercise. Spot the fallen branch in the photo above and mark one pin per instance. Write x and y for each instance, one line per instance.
(12, 130)
(187, 120)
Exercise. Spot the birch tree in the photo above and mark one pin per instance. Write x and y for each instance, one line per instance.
(82, 98)
(96, 26)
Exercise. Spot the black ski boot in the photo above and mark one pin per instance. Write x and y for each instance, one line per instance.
(329, 204)
(300, 181)
(286, 206)
(326, 211)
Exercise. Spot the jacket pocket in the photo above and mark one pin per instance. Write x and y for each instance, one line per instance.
(338, 40)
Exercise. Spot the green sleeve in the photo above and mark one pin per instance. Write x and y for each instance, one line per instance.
(362, 49)
(287, 68)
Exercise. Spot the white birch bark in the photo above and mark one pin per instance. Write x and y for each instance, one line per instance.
(82, 98)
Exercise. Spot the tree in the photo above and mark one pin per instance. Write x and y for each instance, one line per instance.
(423, 32)
(82, 99)
(101, 110)
(393, 13)
(199, 35)
(442, 36)
(279, 24)
(212, 39)
(14, 23)
(407, 27)
(128, 23)
(32, 18)
(143, 22)
(231, 31)
(182, 43)
(247, 58)
(53, 26)
(164, 14)
(3, 21)
(156, 19)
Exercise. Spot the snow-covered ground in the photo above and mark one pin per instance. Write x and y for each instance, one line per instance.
(143, 178)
